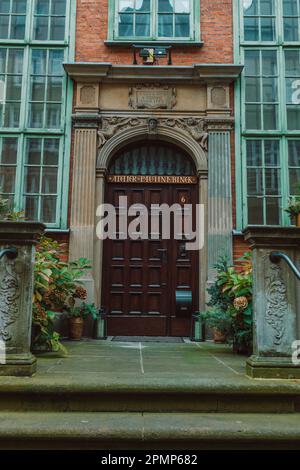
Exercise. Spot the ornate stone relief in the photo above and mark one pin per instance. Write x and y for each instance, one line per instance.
(277, 303)
(9, 295)
(195, 127)
(152, 96)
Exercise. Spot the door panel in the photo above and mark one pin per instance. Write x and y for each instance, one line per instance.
(140, 276)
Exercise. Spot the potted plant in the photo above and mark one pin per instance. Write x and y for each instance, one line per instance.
(77, 315)
(293, 209)
(220, 323)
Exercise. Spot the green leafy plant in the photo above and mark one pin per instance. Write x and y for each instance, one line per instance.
(83, 311)
(56, 289)
(293, 208)
(7, 214)
(219, 320)
(231, 294)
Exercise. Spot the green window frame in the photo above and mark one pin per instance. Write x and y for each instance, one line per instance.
(163, 21)
(259, 201)
(44, 115)
(13, 19)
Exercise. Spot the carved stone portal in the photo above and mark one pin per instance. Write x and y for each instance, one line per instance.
(195, 127)
(152, 96)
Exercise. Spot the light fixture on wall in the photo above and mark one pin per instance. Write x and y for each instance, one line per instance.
(150, 55)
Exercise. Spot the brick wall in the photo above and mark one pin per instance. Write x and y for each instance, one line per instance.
(216, 32)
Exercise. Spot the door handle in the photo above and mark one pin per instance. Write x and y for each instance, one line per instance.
(163, 252)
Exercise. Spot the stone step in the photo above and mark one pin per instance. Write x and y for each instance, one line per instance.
(140, 396)
(36, 430)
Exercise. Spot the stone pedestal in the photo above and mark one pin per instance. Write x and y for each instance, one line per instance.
(276, 308)
(16, 290)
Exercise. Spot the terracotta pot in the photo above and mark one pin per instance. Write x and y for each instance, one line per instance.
(298, 220)
(219, 337)
(75, 328)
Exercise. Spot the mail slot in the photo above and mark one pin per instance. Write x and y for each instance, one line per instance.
(183, 299)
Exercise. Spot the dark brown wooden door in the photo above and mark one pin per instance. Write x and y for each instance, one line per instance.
(140, 276)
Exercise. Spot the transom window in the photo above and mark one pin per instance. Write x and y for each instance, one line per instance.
(269, 47)
(155, 19)
(35, 108)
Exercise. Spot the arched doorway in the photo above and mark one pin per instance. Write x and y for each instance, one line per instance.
(141, 276)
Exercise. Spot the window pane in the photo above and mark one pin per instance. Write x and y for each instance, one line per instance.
(51, 151)
(290, 26)
(9, 150)
(255, 211)
(126, 24)
(254, 153)
(33, 152)
(272, 181)
(12, 115)
(126, 5)
(252, 67)
(48, 209)
(269, 63)
(53, 114)
(266, 7)
(4, 22)
(49, 180)
(36, 115)
(37, 88)
(253, 89)
(181, 6)
(54, 90)
(165, 25)
(290, 7)
(272, 153)
(165, 6)
(56, 59)
(4, 6)
(142, 25)
(253, 116)
(294, 180)
(294, 152)
(254, 181)
(293, 117)
(31, 207)
(32, 178)
(292, 63)
(272, 211)
(270, 89)
(270, 117)
(267, 29)
(38, 64)
(251, 31)
(57, 29)
(18, 6)
(17, 30)
(58, 7)
(42, 7)
(41, 28)
(7, 179)
(182, 25)
(13, 87)
(250, 7)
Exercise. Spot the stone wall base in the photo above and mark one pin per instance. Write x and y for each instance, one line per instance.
(272, 368)
(21, 365)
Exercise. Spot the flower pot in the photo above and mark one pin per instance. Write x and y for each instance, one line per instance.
(75, 328)
(298, 220)
(219, 337)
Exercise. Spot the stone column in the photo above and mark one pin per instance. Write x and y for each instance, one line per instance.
(275, 309)
(82, 220)
(98, 255)
(219, 196)
(203, 253)
(16, 290)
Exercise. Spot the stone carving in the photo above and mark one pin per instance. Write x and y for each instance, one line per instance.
(218, 96)
(196, 127)
(152, 96)
(9, 294)
(277, 303)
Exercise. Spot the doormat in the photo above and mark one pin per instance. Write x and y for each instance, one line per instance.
(148, 339)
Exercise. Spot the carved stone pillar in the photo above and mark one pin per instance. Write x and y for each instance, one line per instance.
(98, 254)
(275, 309)
(219, 196)
(82, 229)
(16, 290)
(203, 253)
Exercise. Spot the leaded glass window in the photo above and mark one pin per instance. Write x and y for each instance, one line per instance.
(12, 19)
(259, 20)
(11, 72)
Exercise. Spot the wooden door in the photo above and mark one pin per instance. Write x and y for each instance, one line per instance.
(140, 276)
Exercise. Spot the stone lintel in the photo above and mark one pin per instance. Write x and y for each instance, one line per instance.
(25, 233)
(86, 120)
(198, 73)
(269, 237)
